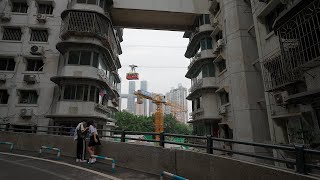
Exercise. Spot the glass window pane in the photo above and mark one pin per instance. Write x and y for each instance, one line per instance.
(81, 1)
(203, 44)
(95, 62)
(3, 64)
(92, 93)
(85, 94)
(205, 71)
(91, 1)
(209, 43)
(31, 63)
(11, 65)
(79, 93)
(101, 4)
(207, 19)
(211, 70)
(69, 92)
(97, 95)
(85, 58)
(201, 20)
(74, 57)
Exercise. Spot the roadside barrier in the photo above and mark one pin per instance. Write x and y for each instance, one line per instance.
(167, 174)
(106, 158)
(50, 148)
(7, 143)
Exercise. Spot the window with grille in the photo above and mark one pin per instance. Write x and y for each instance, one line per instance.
(12, 34)
(28, 97)
(34, 65)
(45, 8)
(81, 93)
(101, 3)
(7, 64)
(4, 96)
(39, 35)
(20, 7)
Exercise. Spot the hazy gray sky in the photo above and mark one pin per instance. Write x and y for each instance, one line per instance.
(155, 50)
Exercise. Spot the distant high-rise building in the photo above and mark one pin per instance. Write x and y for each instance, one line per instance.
(140, 109)
(144, 87)
(131, 97)
(178, 97)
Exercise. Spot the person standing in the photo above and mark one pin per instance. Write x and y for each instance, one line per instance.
(93, 140)
(80, 136)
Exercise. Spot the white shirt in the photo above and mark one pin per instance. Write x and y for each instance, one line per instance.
(92, 130)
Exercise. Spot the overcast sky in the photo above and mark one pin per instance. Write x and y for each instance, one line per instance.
(160, 55)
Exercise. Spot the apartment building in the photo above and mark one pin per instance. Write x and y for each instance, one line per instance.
(226, 89)
(58, 62)
(288, 38)
(178, 96)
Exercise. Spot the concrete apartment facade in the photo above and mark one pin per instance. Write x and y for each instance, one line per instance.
(288, 38)
(226, 89)
(178, 96)
(59, 62)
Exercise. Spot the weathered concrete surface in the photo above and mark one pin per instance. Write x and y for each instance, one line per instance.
(155, 159)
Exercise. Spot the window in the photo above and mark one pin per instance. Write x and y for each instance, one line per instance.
(39, 35)
(7, 64)
(221, 65)
(204, 19)
(84, 58)
(198, 101)
(12, 34)
(206, 43)
(34, 65)
(45, 8)
(208, 70)
(4, 96)
(81, 92)
(224, 97)
(28, 97)
(20, 7)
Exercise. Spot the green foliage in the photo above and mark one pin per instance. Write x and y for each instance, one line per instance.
(130, 122)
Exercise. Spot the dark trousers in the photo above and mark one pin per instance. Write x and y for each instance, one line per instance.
(81, 148)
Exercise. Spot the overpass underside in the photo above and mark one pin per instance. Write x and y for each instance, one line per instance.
(175, 15)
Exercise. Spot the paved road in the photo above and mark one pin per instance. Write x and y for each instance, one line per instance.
(18, 166)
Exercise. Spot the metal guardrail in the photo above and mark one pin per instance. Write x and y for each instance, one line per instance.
(300, 152)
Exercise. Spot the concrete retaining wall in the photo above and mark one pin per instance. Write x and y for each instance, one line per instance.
(154, 160)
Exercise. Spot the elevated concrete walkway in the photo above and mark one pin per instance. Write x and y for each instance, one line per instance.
(154, 160)
(176, 15)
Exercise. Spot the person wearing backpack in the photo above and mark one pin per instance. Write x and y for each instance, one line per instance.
(80, 136)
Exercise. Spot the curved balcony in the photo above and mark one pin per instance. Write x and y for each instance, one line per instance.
(83, 6)
(84, 110)
(195, 39)
(199, 115)
(198, 60)
(207, 84)
(101, 81)
(65, 46)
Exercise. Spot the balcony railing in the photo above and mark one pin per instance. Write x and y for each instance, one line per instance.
(77, 23)
(279, 71)
(194, 59)
(196, 85)
(300, 37)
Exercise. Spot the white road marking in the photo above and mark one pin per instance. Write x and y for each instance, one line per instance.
(62, 163)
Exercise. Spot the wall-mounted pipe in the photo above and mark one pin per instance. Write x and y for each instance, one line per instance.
(106, 158)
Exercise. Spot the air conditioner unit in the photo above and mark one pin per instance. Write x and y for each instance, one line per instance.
(37, 50)
(222, 110)
(42, 18)
(30, 79)
(280, 97)
(5, 16)
(220, 43)
(215, 22)
(26, 113)
(3, 78)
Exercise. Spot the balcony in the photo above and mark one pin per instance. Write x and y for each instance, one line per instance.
(201, 115)
(81, 109)
(195, 39)
(279, 72)
(207, 84)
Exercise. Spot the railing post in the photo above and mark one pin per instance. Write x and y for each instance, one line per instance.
(123, 136)
(161, 143)
(300, 160)
(209, 144)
